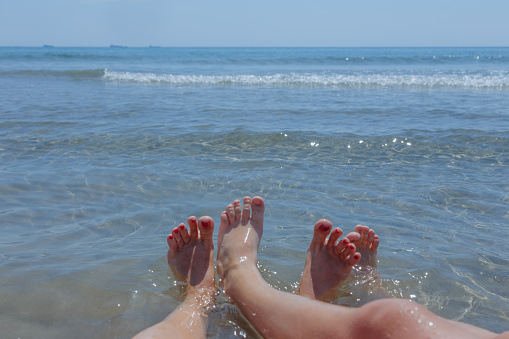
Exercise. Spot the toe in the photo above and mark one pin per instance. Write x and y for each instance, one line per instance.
(354, 259)
(258, 206)
(341, 245)
(371, 237)
(322, 229)
(224, 220)
(376, 242)
(184, 233)
(353, 237)
(172, 244)
(238, 210)
(363, 231)
(349, 250)
(193, 228)
(206, 226)
(334, 236)
(230, 212)
(246, 209)
(177, 237)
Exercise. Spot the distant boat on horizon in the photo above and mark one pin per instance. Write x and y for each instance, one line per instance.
(117, 46)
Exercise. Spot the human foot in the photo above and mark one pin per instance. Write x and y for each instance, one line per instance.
(238, 238)
(328, 261)
(367, 245)
(191, 256)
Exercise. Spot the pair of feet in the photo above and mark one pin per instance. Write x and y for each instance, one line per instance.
(329, 260)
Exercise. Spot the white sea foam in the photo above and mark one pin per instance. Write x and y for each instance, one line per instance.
(491, 79)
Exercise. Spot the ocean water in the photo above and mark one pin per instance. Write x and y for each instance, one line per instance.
(104, 150)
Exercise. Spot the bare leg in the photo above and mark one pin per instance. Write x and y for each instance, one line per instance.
(191, 258)
(276, 314)
(329, 261)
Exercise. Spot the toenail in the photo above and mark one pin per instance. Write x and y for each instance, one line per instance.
(182, 227)
(205, 223)
(337, 231)
(175, 231)
(323, 228)
(193, 219)
(170, 237)
(346, 241)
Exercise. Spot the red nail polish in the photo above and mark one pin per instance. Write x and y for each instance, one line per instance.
(324, 228)
(205, 223)
(346, 241)
(337, 231)
(193, 219)
(182, 227)
(175, 231)
(170, 237)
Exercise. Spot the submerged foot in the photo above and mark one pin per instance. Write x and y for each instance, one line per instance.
(328, 261)
(191, 256)
(238, 238)
(367, 245)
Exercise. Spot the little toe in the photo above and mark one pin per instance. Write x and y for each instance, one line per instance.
(206, 226)
(172, 251)
(354, 259)
(193, 228)
(321, 230)
(376, 242)
(246, 209)
(224, 220)
(170, 239)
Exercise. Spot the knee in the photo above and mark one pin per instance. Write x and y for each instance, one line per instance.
(385, 317)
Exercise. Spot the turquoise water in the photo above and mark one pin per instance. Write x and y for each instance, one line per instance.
(104, 150)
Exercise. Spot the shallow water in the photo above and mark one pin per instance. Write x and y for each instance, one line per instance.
(97, 166)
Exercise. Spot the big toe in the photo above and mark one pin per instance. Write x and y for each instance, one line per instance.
(322, 229)
(258, 207)
(206, 227)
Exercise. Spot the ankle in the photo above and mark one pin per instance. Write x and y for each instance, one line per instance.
(200, 297)
(238, 277)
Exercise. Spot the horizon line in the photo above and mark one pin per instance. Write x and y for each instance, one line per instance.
(161, 46)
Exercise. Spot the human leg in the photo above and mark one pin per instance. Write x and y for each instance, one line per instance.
(277, 314)
(191, 258)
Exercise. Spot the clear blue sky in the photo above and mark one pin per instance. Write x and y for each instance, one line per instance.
(254, 23)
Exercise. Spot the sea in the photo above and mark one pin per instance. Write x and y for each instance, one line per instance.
(104, 150)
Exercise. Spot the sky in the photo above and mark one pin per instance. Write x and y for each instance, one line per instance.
(260, 23)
